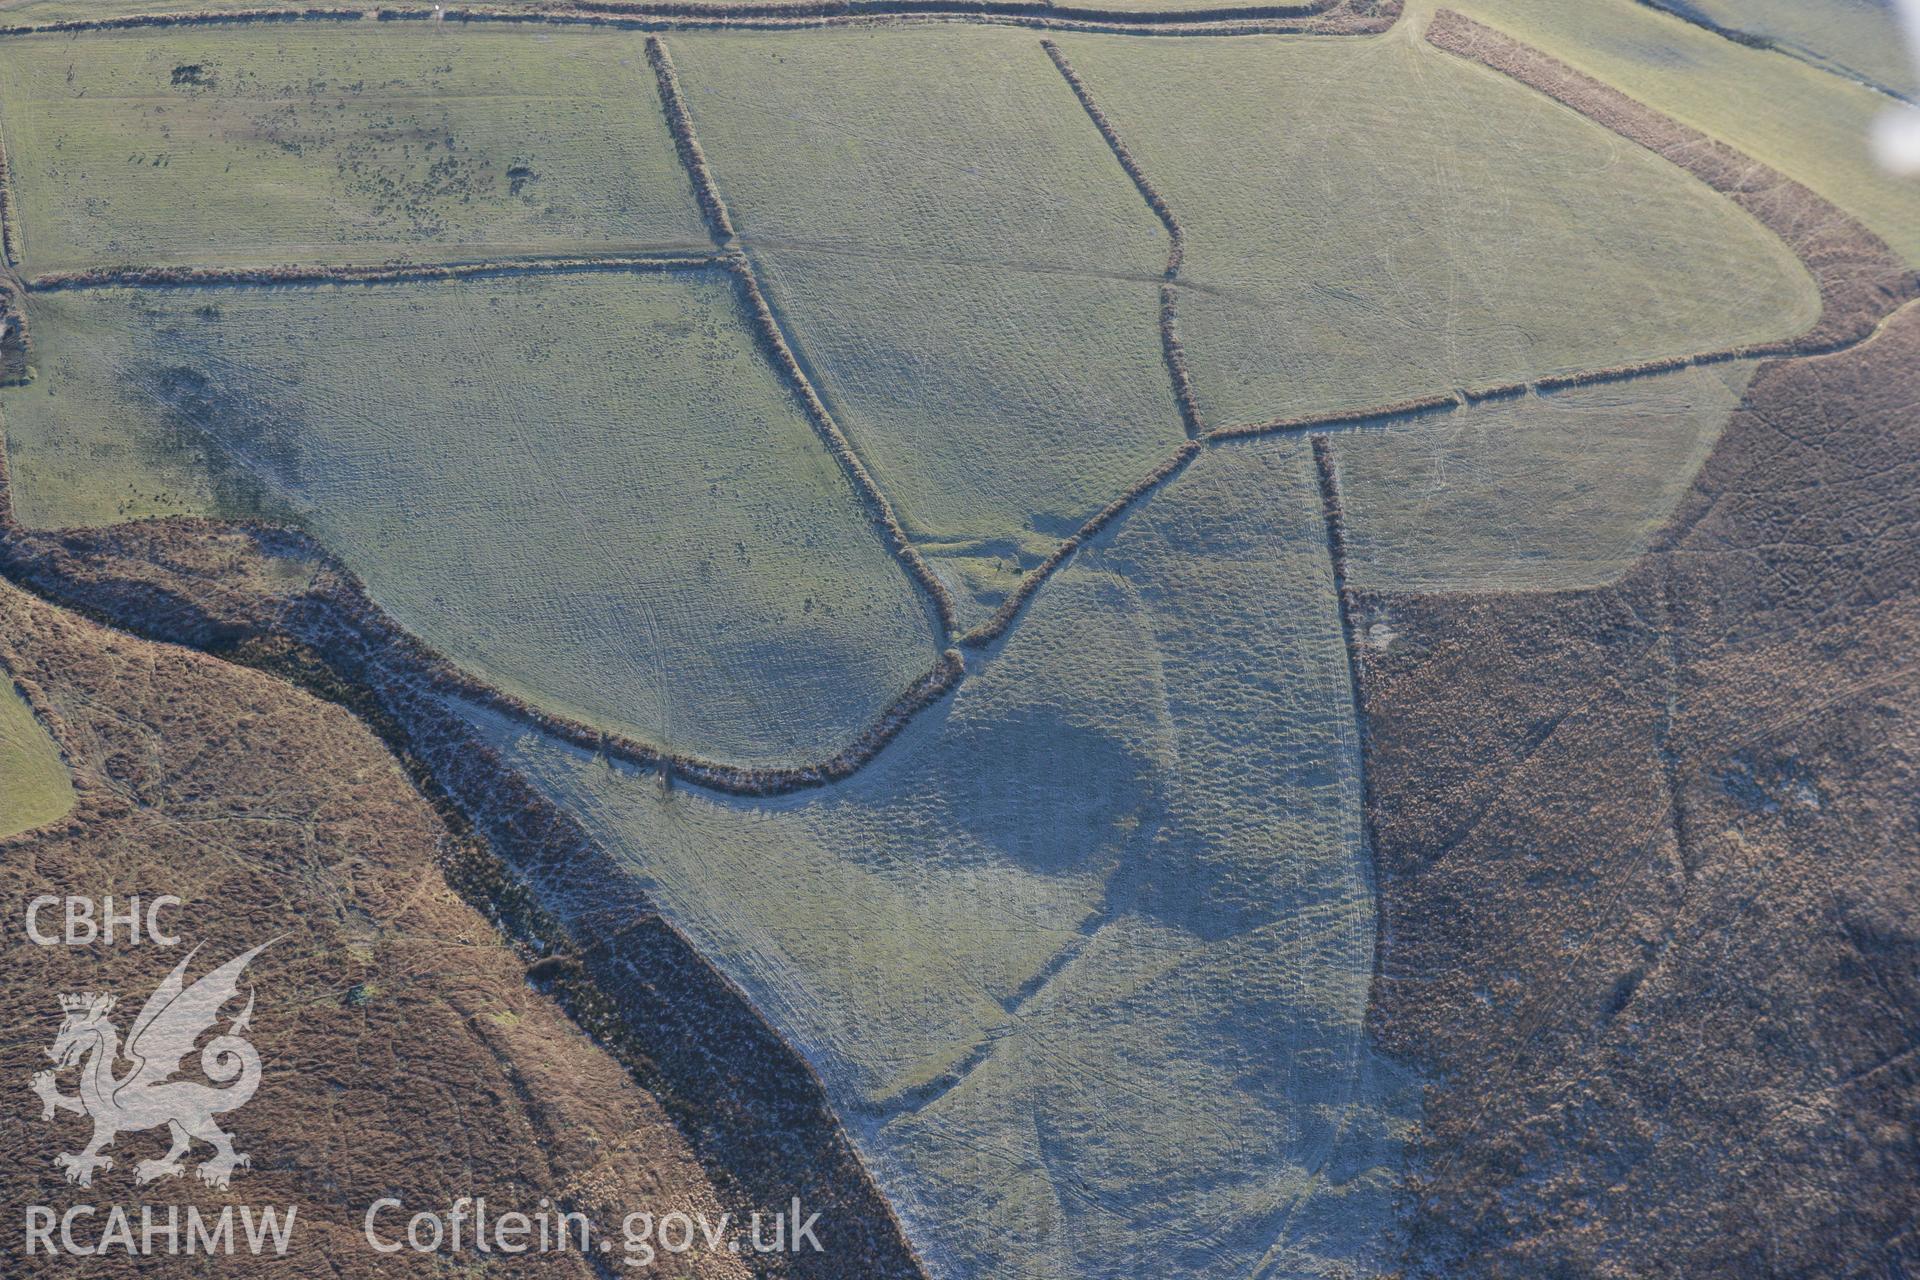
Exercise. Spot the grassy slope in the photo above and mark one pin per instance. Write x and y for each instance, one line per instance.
(1544, 493)
(1807, 123)
(1083, 958)
(1370, 219)
(959, 258)
(591, 490)
(330, 143)
(25, 13)
(35, 787)
(1855, 37)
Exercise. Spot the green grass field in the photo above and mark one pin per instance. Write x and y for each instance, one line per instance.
(1369, 219)
(28, 13)
(999, 408)
(1860, 38)
(324, 143)
(34, 784)
(956, 253)
(1809, 124)
(1546, 493)
(1083, 956)
(591, 490)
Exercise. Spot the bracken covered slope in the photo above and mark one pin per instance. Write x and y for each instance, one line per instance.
(1646, 853)
(751, 1110)
(405, 1053)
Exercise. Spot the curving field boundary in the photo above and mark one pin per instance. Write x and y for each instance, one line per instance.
(1861, 281)
(752, 1107)
(334, 609)
(1318, 17)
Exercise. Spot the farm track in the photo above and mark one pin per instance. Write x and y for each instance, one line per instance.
(1321, 17)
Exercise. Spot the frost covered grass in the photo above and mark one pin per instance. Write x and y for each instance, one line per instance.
(1083, 957)
(1543, 492)
(1367, 220)
(336, 142)
(591, 490)
(969, 275)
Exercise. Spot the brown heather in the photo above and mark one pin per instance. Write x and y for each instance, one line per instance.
(750, 1106)
(1645, 856)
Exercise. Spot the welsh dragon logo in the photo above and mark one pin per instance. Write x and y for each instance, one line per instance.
(147, 1096)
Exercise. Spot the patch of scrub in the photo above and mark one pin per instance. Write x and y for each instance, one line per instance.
(331, 142)
(1368, 220)
(1545, 492)
(1083, 957)
(590, 490)
(957, 255)
(35, 787)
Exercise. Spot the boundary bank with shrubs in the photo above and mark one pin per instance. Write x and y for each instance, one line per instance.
(1322, 17)
(381, 273)
(774, 345)
(1174, 354)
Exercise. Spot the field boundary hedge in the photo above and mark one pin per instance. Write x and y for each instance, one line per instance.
(47, 558)
(10, 221)
(1171, 350)
(400, 655)
(775, 346)
(1333, 513)
(381, 273)
(686, 144)
(1861, 280)
(1785, 47)
(1320, 17)
(766, 328)
(996, 626)
(1860, 283)
(1003, 617)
